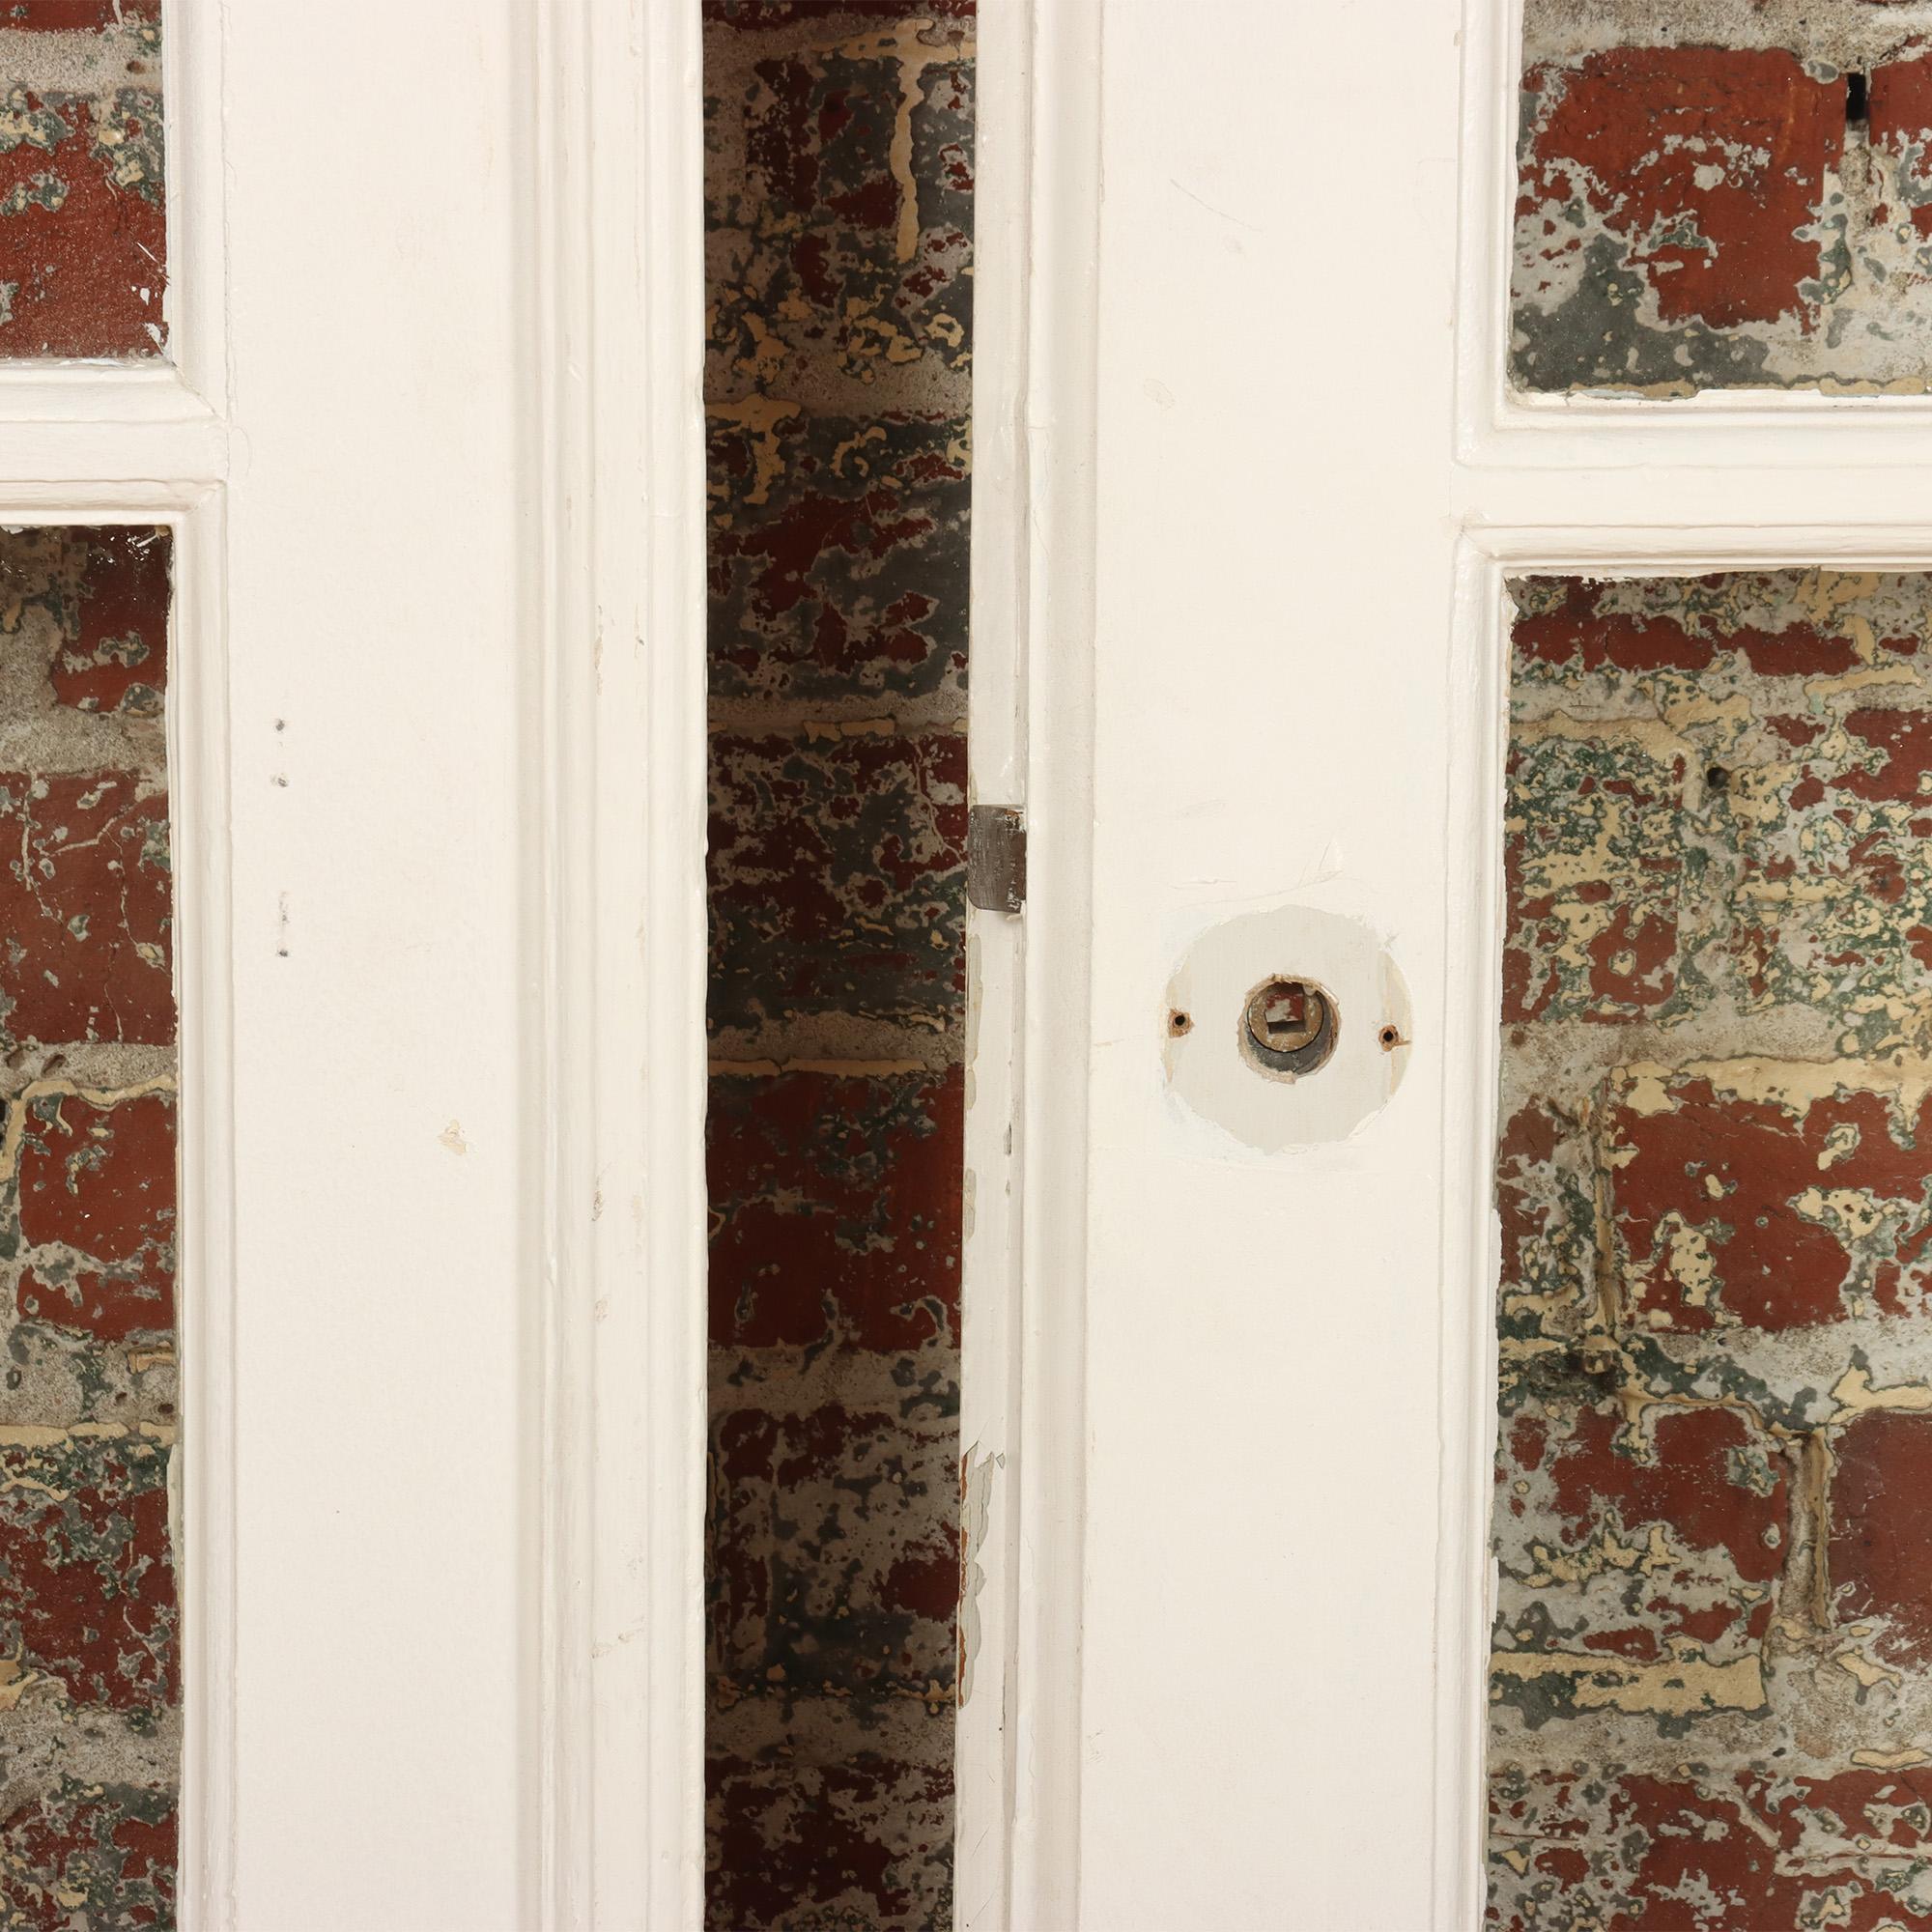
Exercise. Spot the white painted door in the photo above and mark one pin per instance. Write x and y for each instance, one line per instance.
(1246, 436)
(1230, 1463)
(434, 743)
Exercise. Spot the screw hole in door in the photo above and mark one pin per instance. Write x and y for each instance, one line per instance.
(1289, 1026)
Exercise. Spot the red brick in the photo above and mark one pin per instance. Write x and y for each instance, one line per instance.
(1642, 124)
(863, 1842)
(1613, 803)
(86, 909)
(839, 558)
(838, 877)
(75, 15)
(83, 222)
(1581, 635)
(87, 1587)
(98, 1182)
(1748, 1180)
(753, 14)
(1899, 111)
(836, 1208)
(1881, 1550)
(835, 1564)
(89, 1854)
(1707, 1851)
(115, 653)
(1687, 1511)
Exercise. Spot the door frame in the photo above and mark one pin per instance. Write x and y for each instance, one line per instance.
(1036, 176)
(617, 923)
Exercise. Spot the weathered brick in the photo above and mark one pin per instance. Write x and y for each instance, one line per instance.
(1594, 867)
(838, 206)
(752, 14)
(97, 602)
(86, 909)
(1706, 1849)
(828, 255)
(83, 218)
(1702, 204)
(1715, 1188)
(1705, 162)
(88, 1854)
(861, 1843)
(112, 601)
(1881, 1549)
(836, 1209)
(96, 1182)
(87, 1587)
(1724, 787)
(75, 15)
(1767, 1196)
(1637, 1562)
(838, 877)
(839, 558)
(1900, 107)
(833, 1563)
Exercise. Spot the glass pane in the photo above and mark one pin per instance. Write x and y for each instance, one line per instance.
(90, 1679)
(83, 218)
(1711, 1692)
(838, 200)
(1724, 195)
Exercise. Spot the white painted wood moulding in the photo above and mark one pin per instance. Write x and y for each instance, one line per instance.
(1023, 1290)
(619, 926)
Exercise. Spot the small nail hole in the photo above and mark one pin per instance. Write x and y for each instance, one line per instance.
(1180, 1023)
(1391, 1038)
(1718, 778)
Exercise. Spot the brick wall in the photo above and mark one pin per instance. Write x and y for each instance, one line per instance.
(89, 1719)
(1712, 1687)
(839, 207)
(83, 220)
(1725, 192)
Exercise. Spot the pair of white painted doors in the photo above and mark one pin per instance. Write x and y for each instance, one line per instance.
(1248, 480)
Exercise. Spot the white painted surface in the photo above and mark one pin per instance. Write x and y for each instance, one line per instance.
(430, 444)
(384, 1241)
(1272, 487)
(1273, 569)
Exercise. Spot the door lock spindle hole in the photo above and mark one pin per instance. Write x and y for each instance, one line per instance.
(1288, 1026)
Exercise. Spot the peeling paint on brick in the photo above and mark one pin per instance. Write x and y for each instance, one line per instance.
(90, 1721)
(83, 214)
(1712, 1686)
(837, 878)
(838, 193)
(839, 558)
(1727, 193)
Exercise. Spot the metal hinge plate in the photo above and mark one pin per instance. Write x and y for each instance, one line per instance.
(996, 857)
